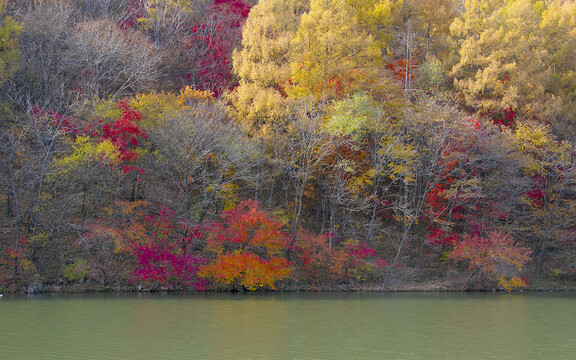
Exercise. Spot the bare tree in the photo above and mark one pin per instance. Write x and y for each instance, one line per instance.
(200, 155)
(108, 61)
(168, 24)
(307, 146)
(43, 77)
(27, 147)
(101, 8)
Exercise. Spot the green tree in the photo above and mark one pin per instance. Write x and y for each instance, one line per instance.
(353, 116)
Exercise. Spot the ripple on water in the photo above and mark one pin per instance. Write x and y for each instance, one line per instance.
(277, 326)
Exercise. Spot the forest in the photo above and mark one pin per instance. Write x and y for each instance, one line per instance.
(287, 144)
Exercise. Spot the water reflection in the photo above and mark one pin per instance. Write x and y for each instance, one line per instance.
(288, 326)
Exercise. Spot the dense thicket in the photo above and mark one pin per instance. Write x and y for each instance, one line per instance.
(248, 145)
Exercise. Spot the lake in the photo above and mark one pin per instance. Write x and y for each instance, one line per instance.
(421, 326)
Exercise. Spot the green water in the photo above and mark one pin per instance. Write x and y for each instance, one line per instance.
(289, 326)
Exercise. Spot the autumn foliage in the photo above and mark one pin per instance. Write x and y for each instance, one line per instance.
(249, 249)
(158, 249)
(323, 259)
(211, 43)
(125, 134)
(496, 256)
(164, 257)
(394, 141)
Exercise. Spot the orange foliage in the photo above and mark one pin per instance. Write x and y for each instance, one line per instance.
(495, 255)
(247, 268)
(248, 249)
(399, 68)
(318, 261)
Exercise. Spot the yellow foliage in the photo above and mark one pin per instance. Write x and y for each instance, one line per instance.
(40, 237)
(26, 264)
(263, 65)
(359, 183)
(375, 15)
(402, 166)
(10, 31)
(502, 61)
(258, 109)
(531, 137)
(266, 42)
(154, 106)
(540, 146)
(85, 152)
(513, 283)
(330, 45)
(188, 95)
(161, 12)
(105, 109)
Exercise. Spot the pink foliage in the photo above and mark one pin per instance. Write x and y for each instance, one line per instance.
(440, 237)
(237, 7)
(164, 258)
(211, 43)
(161, 262)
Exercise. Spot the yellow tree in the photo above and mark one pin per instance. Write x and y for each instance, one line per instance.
(558, 24)
(501, 56)
(331, 51)
(375, 16)
(550, 164)
(265, 54)
(423, 31)
(263, 62)
(435, 18)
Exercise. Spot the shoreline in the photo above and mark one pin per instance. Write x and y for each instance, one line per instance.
(424, 287)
